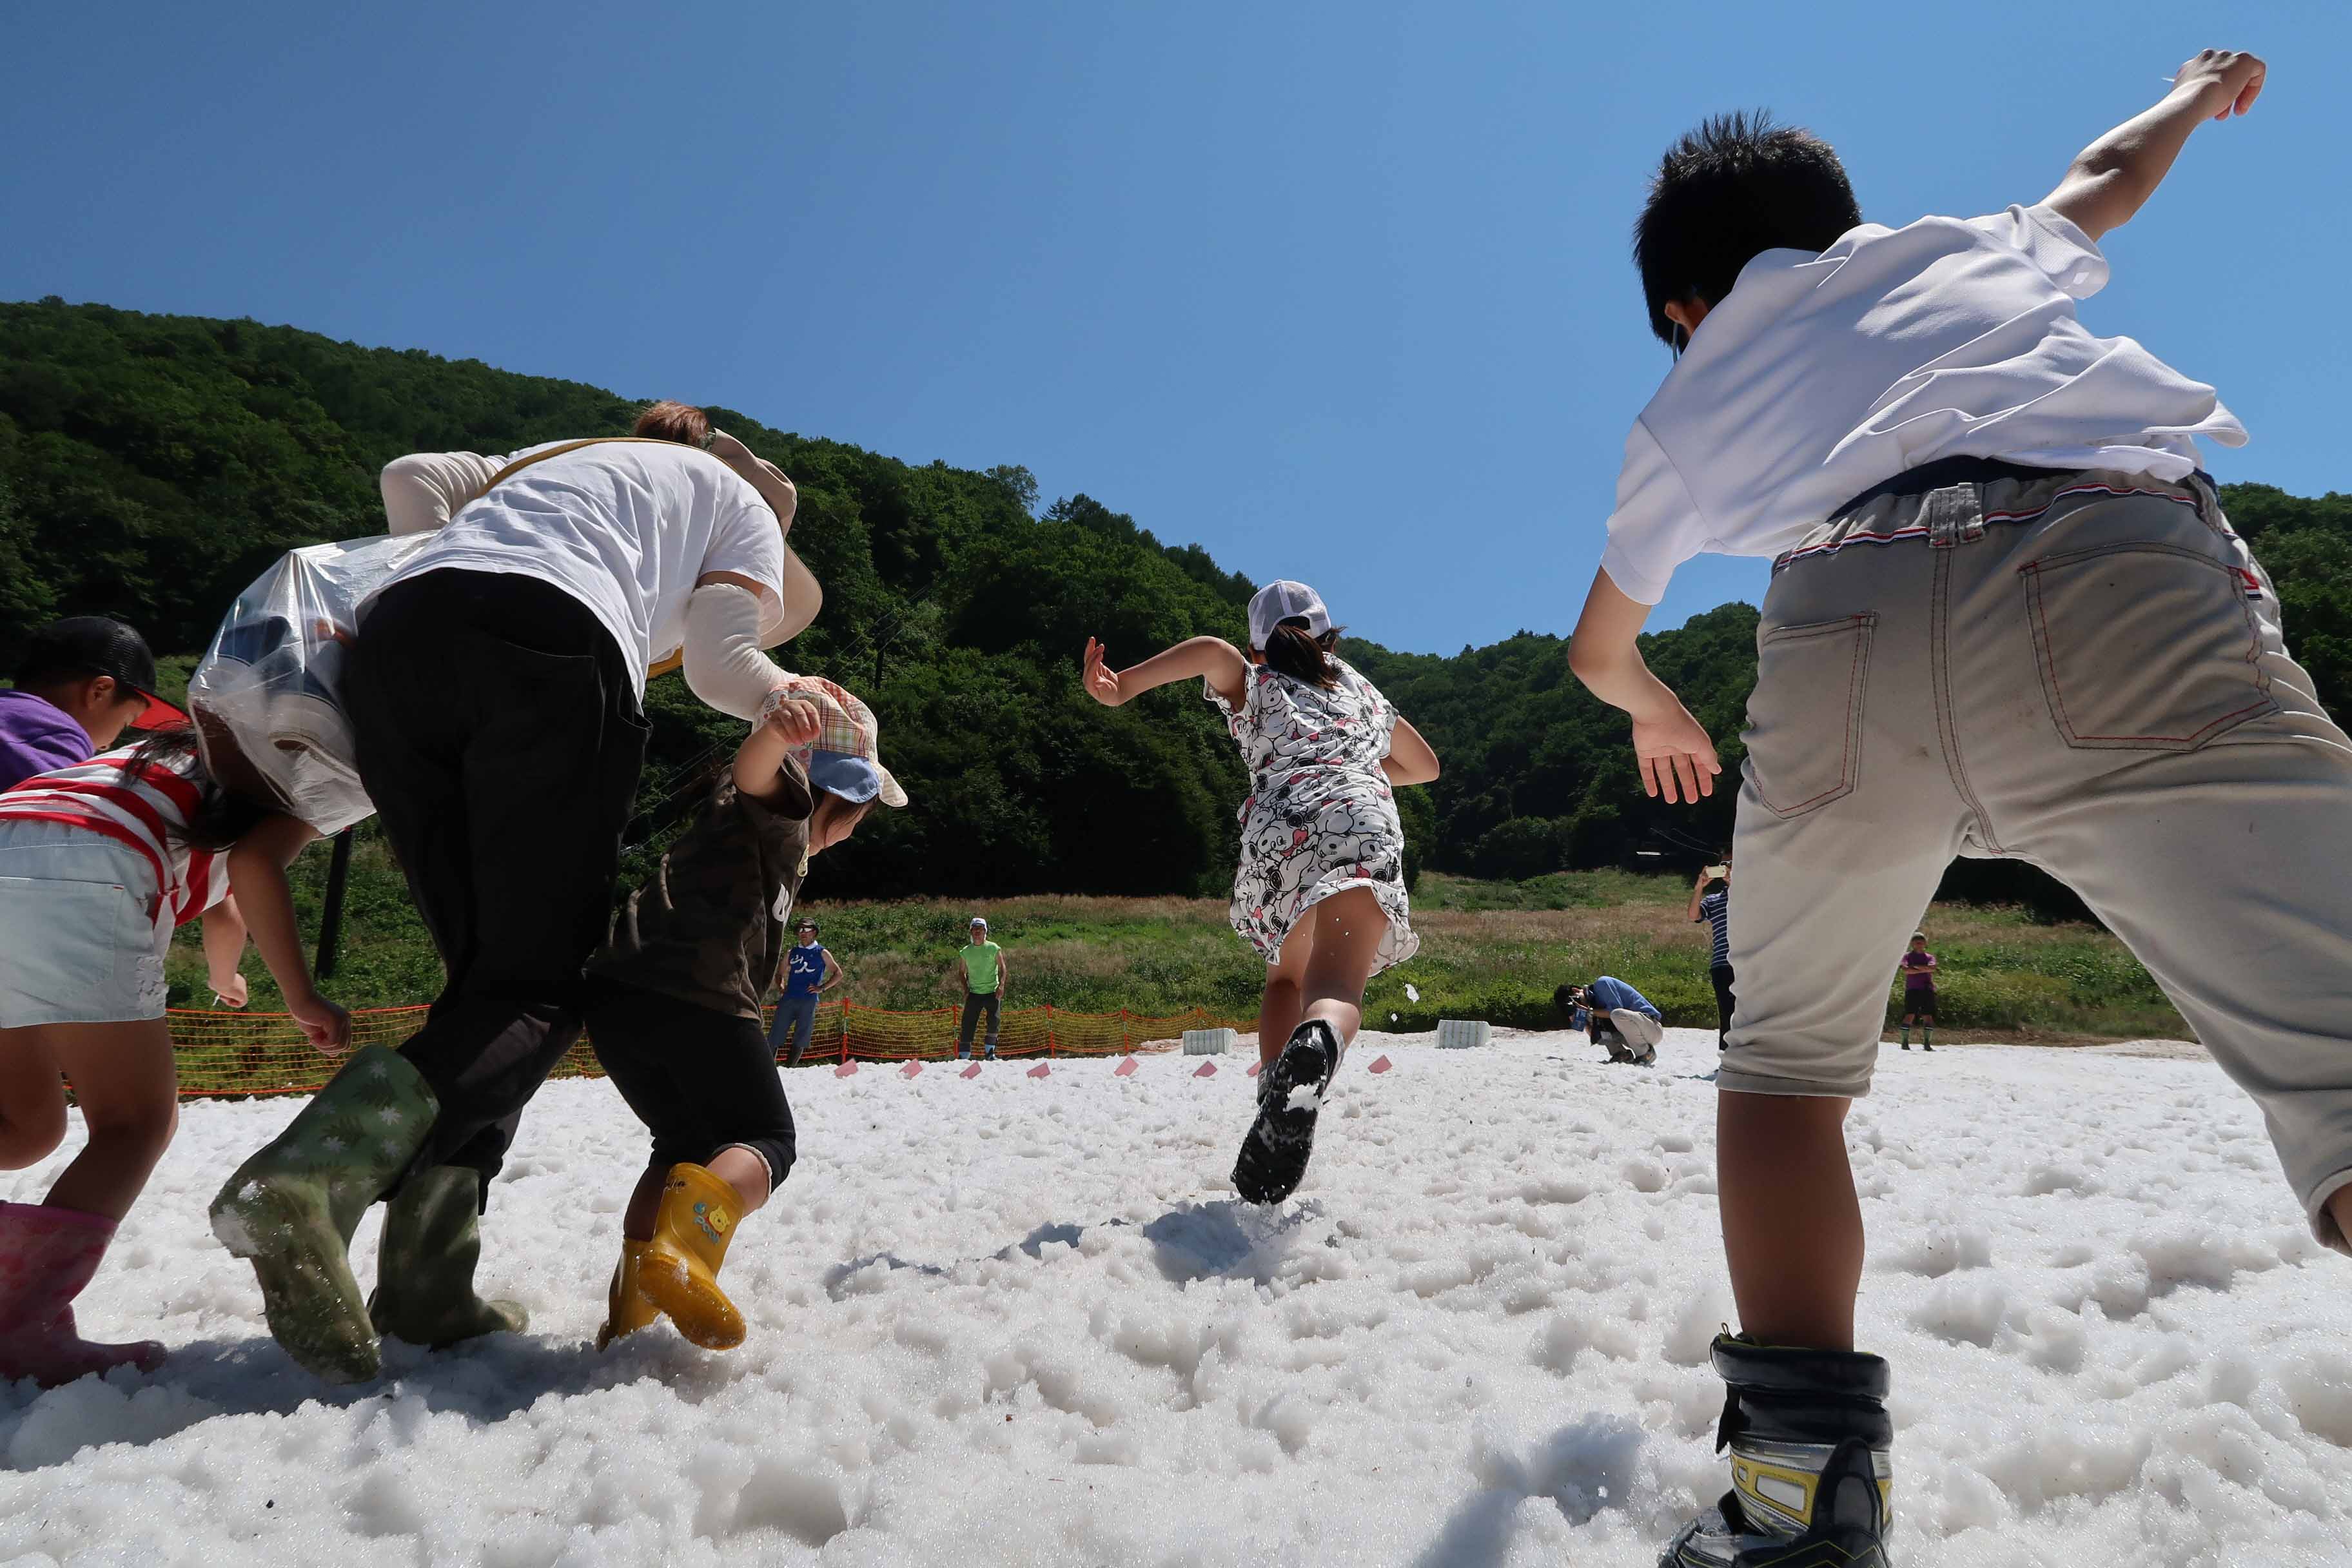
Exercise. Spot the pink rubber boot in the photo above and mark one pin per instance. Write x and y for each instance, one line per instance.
(46, 1256)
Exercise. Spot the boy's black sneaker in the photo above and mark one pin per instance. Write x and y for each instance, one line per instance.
(1810, 1475)
(1273, 1160)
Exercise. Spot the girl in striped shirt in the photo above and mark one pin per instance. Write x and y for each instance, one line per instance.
(98, 864)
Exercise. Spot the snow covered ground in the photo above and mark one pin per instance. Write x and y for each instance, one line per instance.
(1021, 1321)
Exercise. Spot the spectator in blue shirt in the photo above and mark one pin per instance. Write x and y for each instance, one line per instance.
(809, 970)
(1711, 902)
(1618, 1018)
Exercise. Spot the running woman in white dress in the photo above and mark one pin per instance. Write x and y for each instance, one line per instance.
(1321, 888)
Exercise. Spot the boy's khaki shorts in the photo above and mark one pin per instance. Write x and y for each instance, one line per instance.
(2084, 671)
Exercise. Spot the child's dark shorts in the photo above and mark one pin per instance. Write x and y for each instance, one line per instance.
(1919, 1000)
(700, 1080)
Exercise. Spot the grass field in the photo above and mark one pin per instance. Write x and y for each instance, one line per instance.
(1489, 950)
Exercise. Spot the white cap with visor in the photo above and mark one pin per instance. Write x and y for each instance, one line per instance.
(1281, 601)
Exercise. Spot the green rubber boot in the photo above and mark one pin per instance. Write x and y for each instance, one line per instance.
(290, 1209)
(424, 1265)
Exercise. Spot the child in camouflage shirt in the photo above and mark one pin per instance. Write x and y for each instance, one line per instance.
(673, 1001)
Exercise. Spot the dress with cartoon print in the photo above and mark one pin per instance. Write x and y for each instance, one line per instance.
(1320, 817)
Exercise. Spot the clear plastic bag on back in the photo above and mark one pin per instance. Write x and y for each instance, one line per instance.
(268, 697)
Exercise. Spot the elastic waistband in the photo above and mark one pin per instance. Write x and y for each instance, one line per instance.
(1943, 471)
(1949, 509)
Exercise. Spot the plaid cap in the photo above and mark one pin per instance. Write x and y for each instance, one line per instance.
(845, 727)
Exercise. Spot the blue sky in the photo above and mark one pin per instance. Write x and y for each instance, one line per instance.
(1341, 292)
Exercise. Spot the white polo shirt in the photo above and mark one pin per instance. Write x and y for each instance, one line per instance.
(1820, 376)
(626, 528)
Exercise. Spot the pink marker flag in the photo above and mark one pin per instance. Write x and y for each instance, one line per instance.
(1207, 1069)
(1256, 1069)
(911, 1070)
(1041, 1070)
(1124, 1070)
(1382, 1065)
(971, 1071)
(845, 1070)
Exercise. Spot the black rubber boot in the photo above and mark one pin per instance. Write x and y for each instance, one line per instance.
(1273, 1160)
(1811, 1470)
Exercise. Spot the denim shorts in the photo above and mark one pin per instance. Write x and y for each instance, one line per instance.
(78, 941)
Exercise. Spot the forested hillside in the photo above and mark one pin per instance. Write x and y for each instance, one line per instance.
(151, 466)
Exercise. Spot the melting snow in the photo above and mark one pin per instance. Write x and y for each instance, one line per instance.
(1024, 1320)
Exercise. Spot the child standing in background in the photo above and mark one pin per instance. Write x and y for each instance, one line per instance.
(1919, 992)
(1321, 888)
(674, 1002)
(98, 864)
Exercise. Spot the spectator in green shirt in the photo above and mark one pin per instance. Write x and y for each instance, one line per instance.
(979, 967)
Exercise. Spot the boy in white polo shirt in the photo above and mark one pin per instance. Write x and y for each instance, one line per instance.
(2007, 619)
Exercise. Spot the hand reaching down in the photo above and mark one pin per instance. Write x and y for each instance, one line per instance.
(1676, 756)
(324, 1024)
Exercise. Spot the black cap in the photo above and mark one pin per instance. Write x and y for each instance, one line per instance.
(99, 644)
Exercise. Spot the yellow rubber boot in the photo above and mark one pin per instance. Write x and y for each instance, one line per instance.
(625, 1308)
(679, 1272)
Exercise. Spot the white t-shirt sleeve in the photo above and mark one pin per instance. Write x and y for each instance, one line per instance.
(749, 543)
(2066, 255)
(1656, 526)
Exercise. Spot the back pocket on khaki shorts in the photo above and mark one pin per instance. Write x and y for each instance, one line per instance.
(2145, 647)
(1804, 722)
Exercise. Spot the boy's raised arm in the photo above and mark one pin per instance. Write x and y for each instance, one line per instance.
(2111, 177)
(1675, 751)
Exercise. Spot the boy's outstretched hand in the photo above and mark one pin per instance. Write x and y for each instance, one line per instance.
(2226, 81)
(1100, 681)
(1676, 754)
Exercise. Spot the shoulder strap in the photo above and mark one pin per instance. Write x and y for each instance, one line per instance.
(519, 464)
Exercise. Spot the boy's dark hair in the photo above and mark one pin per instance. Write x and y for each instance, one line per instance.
(1301, 654)
(1738, 185)
(222, 815)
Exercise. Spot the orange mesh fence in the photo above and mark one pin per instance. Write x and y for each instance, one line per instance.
(221, 1053)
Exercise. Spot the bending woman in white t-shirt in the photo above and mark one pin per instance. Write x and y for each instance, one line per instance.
(494, 691)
